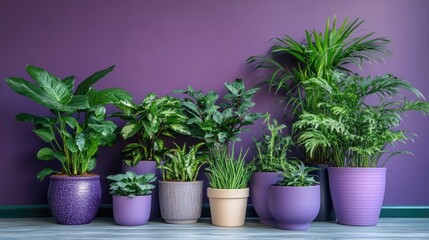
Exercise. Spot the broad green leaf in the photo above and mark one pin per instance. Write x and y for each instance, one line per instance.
(71, 145)
(71, 121)
(84, 87)
(109, 96)
(60, 156)
(130, 129)
(78, 102)
(46, 154)
(105, 128)
(92, 164)
(44, 173)
(69, 82)
(81, 141)
(45, 134)
(180, 128)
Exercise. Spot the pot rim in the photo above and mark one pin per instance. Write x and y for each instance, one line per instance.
(295, 187)
(71, 177)
(142, 196)
(174, 182)
(228, 193)
(359, 168)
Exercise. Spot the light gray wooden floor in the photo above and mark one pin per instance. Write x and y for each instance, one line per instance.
(105, 228)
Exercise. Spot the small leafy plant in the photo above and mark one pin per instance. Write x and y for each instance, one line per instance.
(296, 174)
(131, 184)
(226, 172)
(220, 124)
(150, 120)
(77, 126)
(183, 165)
(272, 148)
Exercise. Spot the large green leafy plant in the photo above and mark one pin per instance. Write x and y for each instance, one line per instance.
(296, 174)
(151, 120)
(77, 126)
(272, 148)
(183, 165)
(131, 184)
(220, 124)
(352, 130)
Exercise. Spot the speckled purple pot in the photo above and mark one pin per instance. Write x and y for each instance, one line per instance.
(74, 200)
(259, 184)
(145, 167)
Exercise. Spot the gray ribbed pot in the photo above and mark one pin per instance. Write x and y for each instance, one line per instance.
(180, 202)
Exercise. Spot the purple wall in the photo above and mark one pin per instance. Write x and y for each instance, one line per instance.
(165, 45)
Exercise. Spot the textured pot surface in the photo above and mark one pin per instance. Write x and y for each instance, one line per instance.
(74, 200)
(131, 211)
(259, 184)
(357, 194)
(228, 206)
(180, 202)
(326, 212)
(294, 208)
(145, 167)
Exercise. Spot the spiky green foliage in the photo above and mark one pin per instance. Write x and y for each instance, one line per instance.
(183, 165)
(150, 120)
(272, 148)
(131, 184)
(351, 131)
(296, 174)
(219, 124)
(77, 126)
(228, 172)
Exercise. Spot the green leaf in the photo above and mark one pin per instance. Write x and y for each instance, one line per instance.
(109, 96)
(92, 164)
(180, 128)
(69, 82)
(45, 154)
(81, 141)
(51, 85)
(130, 129)
(44, 173)
(84, 87)
(105, 128)
(60, 156)
(71, 145)
(71, 121)
(78, 102)
(45, 134)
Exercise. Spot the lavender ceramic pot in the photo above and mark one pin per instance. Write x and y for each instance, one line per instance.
(74, 200)
(357, 194)
(129, 211)
(145, 167)
(259, 184)
(294, 208)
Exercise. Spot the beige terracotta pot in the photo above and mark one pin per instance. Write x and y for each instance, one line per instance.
(228, 206)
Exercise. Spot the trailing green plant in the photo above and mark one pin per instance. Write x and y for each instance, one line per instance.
(151, 120)
(182, 165)
(227, 171)
(77, 126)
(131, 184)
(352, 131)
(296, 174)
(272, 148)
(220, 124)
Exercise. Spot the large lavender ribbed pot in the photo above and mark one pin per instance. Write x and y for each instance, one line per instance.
(145, 167)
(259, 184)
(357, 194)
(180, 202)
(133, 211)
(74, 200)
(294, 208)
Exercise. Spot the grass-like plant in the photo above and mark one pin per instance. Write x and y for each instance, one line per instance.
(272, 148)
(228, 172)
(131, 184)
(296, 174)
(183, 165)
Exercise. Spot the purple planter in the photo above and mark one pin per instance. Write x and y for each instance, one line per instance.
(129, 211)
(357, 194)
(74, 200)
(294, 208)
(259, 184)
(145, 167)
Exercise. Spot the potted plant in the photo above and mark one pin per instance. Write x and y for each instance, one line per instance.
(271, 154)
(228, 191)
(356, 133)
(74, 131)
(131, 197)
(293, 63)
(150, 121)
(180, 193)
(294, 201)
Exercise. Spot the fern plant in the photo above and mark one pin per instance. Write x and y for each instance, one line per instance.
(182, 164)
(296, 174)
(272, 148)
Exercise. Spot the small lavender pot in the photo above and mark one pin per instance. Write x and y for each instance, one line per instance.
(357, 194)
(129, 211)
(145, 167)
(294, 208)
(74, 200)
(259, 184)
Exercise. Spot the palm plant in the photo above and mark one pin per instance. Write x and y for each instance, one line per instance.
(150, 120)
(77, 126)
(183, 165)
(351, 131)
(271, 148)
